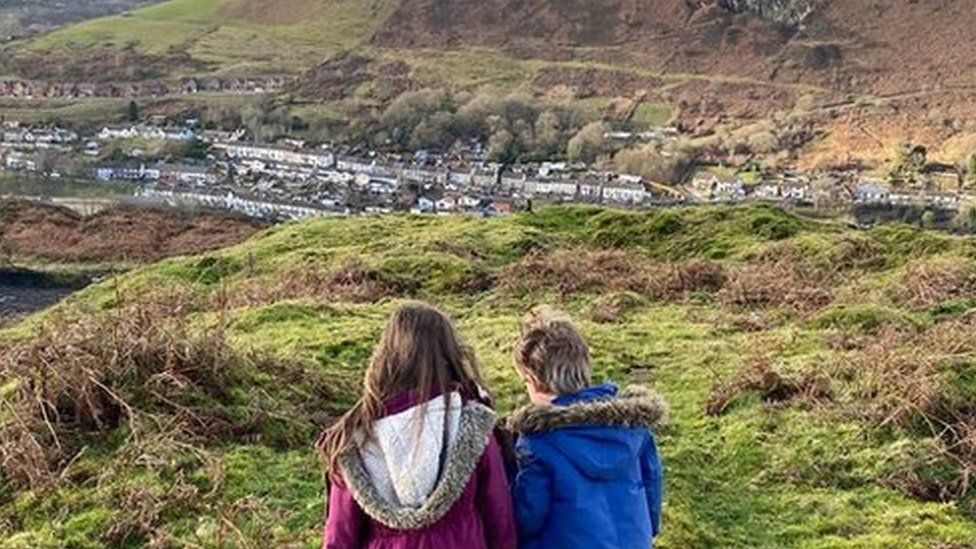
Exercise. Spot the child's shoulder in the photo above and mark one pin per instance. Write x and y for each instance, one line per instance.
(632, 407)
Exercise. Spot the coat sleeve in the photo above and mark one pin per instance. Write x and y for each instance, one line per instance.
(494, 499)
(345, 521)
(652, 471)
(533, 491)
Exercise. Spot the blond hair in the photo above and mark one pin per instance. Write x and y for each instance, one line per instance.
(552, 351)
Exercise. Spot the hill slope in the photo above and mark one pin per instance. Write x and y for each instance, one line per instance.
(806, 365)
(859, 77)
(181, 37)
(20, 17)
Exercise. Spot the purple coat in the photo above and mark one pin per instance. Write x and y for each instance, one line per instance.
(383, 499)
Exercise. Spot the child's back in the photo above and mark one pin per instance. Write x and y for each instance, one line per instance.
(589, 472)
(415, 465)
(397, 494)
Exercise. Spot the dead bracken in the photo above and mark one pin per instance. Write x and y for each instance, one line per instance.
(142, 365)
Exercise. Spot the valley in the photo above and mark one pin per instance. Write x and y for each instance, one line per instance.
(764, 210)
(862, 77)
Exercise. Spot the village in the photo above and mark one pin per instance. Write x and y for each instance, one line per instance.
(290, 179)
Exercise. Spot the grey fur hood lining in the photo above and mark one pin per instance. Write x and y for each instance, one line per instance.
(474, 430)
(632, 407)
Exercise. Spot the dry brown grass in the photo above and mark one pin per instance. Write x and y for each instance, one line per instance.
(120, 233)
(778, 282)
(141, 364)
(576, 271)
(569, 272)
(929, 282)
(857, 252)
(900, 379)
(611, 308)
(758, 375)
(352, 282)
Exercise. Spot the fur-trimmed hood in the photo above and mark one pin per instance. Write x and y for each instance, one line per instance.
(474, 427)
(632, 407)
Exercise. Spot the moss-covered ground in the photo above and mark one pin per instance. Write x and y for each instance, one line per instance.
(809, 452)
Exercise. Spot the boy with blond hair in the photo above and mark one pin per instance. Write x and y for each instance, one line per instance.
(589, 472)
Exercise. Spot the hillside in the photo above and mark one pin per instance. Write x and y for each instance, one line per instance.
(192, 37)
(821, 380)
(21, 17)
(844, 81)
(865, 74)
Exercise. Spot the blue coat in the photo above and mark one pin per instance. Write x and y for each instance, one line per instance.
(589, 472)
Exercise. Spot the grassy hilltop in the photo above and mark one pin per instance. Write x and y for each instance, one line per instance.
(822, 380)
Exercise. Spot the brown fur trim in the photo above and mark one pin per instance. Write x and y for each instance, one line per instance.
(477, 422)
(632, 407)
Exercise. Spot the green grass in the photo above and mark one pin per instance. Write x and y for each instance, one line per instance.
(220, 34)
(21, 185)
(652, 115)
(760, 474)
(95, 113)
(92, 111)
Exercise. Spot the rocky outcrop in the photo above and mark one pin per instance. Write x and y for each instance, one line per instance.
(784, 12)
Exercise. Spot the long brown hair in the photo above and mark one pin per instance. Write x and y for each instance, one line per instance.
(420, 353)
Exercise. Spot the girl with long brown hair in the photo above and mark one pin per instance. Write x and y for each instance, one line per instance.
(414, 464)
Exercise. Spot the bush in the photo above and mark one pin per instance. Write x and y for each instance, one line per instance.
(655, 165)
(589, 143)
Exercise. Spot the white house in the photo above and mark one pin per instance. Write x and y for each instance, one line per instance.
(624, 193)
(470, 202)
(871, 193)
(188, 175)
(179, 134)
(564, 188)
(278, 155)
(20, 161)
(129, 173)
(591, 190)
(549, 168)
(108, 134)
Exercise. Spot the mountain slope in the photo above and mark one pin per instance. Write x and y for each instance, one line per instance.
(858, 77)
(806, 366)
(20, 17)
(227, 36)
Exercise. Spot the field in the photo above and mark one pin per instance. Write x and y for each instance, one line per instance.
(237, 36)
(821, 380)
